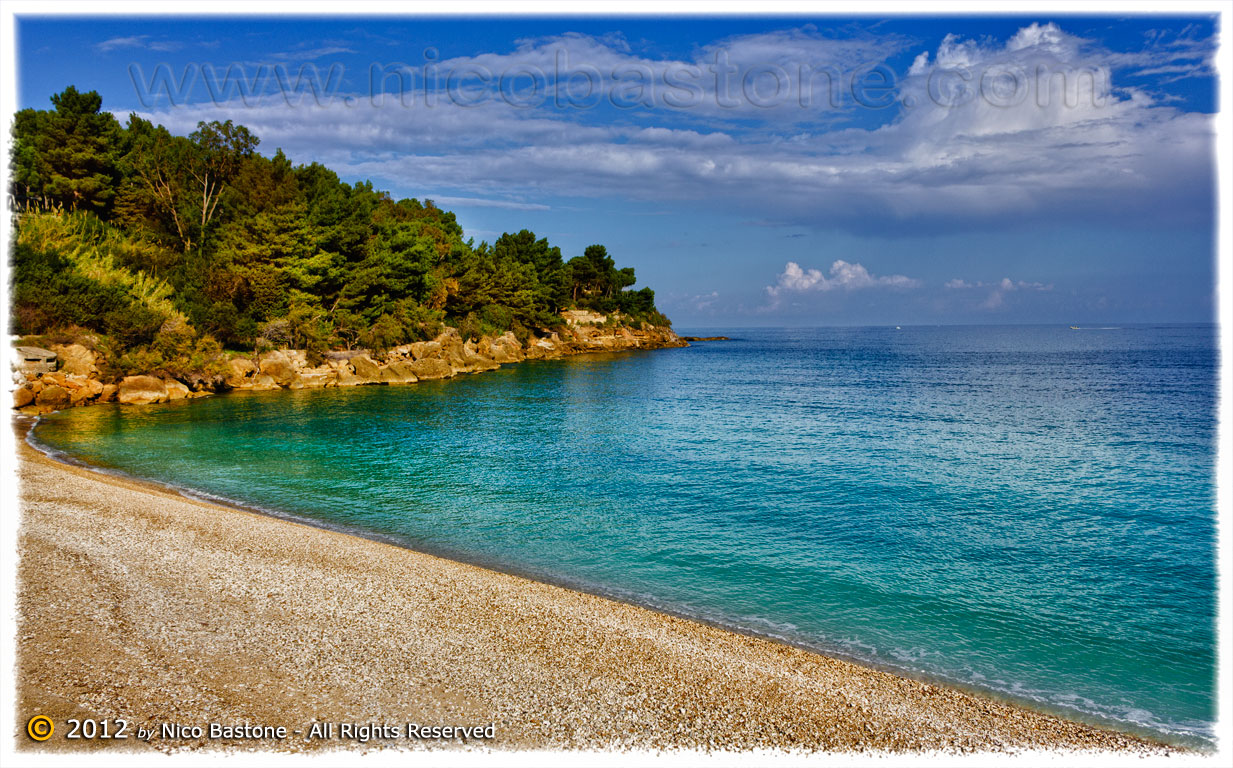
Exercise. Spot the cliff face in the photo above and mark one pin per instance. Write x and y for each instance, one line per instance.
(77, 383)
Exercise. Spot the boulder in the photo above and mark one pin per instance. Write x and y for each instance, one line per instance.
(503, 349)
(321, 376)
(366, 370)
(399, 372)
(79, 392)
(264, 381)
(140, 390)
(456, 356)
(177, 390)
(316, 380)
(280, 366)
(22, 396)
(239, 370)
(431, 368)
(452, 351)
(474, 361)
(75, 359)
(108, 394)
(543, 349)
(423, 349)
(347, 377)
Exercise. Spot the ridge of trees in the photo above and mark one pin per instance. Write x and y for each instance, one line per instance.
(249, 250)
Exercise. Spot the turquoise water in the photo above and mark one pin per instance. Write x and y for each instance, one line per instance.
(1023, 510)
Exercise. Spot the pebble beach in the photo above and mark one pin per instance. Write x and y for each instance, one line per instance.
(135, 602)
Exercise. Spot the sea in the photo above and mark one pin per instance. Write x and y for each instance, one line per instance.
(1023, 511)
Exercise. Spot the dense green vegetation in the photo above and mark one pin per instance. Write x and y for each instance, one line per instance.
(169, 246)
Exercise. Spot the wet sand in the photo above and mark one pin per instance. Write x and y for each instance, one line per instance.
(135, 602)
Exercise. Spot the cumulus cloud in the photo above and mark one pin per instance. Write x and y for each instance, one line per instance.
(842, 276)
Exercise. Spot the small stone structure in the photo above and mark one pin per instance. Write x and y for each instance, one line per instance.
(34, 360)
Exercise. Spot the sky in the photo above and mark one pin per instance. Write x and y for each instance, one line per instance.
(760, 171)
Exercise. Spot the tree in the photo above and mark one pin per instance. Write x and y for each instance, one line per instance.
(66, 156)
(220, 148)
(551, 292)
(30, 169)
(154, 194)
(182, 181)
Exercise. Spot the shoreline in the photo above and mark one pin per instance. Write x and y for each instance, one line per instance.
(193, 495)
(858, 700)
(75, 379)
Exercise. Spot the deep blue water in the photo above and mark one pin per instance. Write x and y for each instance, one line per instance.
(1028, 511)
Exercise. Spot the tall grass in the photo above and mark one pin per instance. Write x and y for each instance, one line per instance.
(99, 252)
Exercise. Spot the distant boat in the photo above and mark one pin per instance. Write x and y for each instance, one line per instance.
(1074, 327)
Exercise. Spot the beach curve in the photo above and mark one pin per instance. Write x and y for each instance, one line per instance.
(135, 602)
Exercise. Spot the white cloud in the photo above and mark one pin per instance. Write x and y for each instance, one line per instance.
(842, 276)
(997, 295)
(138, 41)
(996, 298)
(481, 202)
(133, 41)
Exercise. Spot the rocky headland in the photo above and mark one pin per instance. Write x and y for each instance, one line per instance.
(73, 378)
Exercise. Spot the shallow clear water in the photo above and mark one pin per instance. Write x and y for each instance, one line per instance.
(1023, 510)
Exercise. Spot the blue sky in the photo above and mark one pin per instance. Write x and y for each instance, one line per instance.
(759, 171)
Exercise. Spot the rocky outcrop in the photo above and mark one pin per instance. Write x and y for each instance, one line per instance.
(241, 368)
(142, 390)
(75, 359)
(448, 355)
(263, 381)
(176, 390)
(22, 396)
(319, 377)
(53, 396)
(366, 369)
(547, 348)
(279, 366)
(432, 368)
(399, 372)
(503, 349)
